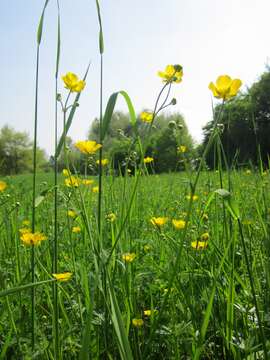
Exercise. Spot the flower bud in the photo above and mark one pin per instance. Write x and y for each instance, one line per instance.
(178, 67)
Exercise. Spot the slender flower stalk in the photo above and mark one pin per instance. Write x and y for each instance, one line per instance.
(172, 74)
(100, 169)
(55, 243)
(33, 204)
(39, 37)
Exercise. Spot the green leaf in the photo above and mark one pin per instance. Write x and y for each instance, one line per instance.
(108, 114)
(101, 42)
(40, 25)
(38, 200)
(229, 202)
(233, 209)
(23, 287)
(58, 43)
(223, 193)
(130, 107)
(124, 346)
(208, 311)
(86, 340)
(110, 109)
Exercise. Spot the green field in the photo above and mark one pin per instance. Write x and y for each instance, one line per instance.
(207, 302)
(136, 242)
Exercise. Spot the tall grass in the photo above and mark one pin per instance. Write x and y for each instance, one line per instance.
(139, 290)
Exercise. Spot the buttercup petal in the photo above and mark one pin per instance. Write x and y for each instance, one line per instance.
(236, 84)
(213, 88)
(161, 74)
(223, 81)
(170, 70)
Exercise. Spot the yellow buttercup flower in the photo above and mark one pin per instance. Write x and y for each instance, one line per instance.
(104, 162)
(137, 322)
(199, 245)
(88, 147)
(3, 185)
(158, 221)
(148, 160)
(182, 149)
(29, 238)
(179, 224)
(128, 257)
(172, 73)
(66, 172)
(87, 182)
(62, 276)
(111, 217)
(73, 83)
(193, 198)
(76, 229)
(95, 189)
(225, 87)
(72, 213)
(146, 116)
(72, 181)
(150, 312)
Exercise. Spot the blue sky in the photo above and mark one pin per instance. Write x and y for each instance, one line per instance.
(207, 37)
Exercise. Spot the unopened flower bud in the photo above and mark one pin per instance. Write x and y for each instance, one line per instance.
(178, 67)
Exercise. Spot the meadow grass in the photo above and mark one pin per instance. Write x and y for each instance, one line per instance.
(173, 329)
(140, 266)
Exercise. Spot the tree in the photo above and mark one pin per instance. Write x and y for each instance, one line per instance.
(16, 151)
(245, 125)
(168, 132)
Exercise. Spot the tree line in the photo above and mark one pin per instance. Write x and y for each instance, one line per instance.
(244, 129)
(16, 153)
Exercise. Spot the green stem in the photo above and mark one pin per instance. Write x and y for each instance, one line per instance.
(33, 204)
(100, 150)
(55, 243)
